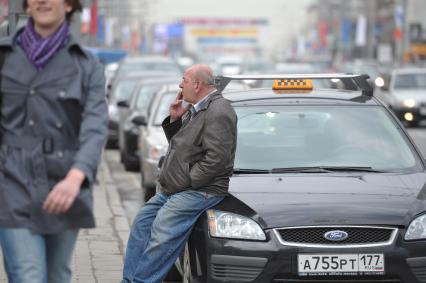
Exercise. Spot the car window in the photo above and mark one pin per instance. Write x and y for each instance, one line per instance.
(292, 136)
(124, 89)
(144, 97)
(163, 107)
(410, 81)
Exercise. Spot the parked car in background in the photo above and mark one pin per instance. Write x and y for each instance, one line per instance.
(147, 63)
(121, 93)
(152, 141)
(139, 104)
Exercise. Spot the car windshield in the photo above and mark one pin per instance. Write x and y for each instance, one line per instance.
(124, 89)
(410, 81)
(164, 107)
(271, 137)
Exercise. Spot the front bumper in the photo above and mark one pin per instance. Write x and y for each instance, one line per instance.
(223, 260)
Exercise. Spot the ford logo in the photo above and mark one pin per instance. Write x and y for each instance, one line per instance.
(336, 235)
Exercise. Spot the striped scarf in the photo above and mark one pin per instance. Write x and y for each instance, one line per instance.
(40, 50)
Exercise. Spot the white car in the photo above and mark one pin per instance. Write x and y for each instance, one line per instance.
(407, 94)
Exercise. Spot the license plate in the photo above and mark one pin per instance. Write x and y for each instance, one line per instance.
(422, 110)
(340, 264)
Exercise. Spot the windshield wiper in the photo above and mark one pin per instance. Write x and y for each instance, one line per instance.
(325, 169)
(315, 169)
(251, 171)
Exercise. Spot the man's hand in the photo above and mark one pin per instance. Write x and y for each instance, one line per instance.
(63, 194)
(176, 108)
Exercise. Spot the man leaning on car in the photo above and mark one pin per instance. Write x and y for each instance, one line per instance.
(194, 176)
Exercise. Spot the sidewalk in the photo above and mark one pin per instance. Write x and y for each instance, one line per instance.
(98, 257)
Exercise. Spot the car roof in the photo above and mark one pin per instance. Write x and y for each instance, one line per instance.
(316, 96)
(409, 70)
(160, 80)
(148, 58)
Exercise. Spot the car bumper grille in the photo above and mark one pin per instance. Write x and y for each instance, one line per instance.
(418, 267)
(236, 268)
(235, 273)
(358, 236)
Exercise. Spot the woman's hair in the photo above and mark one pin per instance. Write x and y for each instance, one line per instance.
(75, 4)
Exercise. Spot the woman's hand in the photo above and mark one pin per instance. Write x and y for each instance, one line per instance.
(63, 194)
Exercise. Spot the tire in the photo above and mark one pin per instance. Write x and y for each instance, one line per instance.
(129, 165)
(148, 191)
(173, 275)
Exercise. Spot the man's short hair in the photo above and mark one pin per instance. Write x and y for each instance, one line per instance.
(75, 4)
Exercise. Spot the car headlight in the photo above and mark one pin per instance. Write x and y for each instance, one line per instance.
(113, 112)
(230, 225)
(410, 103)
(379, 82)
(417, 229)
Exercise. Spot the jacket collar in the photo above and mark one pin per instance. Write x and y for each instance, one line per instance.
(213, 96)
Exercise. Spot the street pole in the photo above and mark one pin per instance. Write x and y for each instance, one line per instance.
(371, 39)
(405, 31)
(15, 9)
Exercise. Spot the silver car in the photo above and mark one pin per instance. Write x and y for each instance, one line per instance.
(152, 141)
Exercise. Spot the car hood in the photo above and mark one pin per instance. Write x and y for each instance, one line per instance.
(416, 94)
(303, 199)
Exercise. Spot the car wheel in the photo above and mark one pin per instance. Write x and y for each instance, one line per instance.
(187, 274)
(129, 165)
(173, 275)
(148, 191)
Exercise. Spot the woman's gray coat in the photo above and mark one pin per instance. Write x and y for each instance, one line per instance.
(51, 120)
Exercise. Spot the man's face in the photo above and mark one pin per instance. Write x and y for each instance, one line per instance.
(48, 14)
(189, 88)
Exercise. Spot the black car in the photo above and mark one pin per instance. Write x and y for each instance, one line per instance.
(327, 187)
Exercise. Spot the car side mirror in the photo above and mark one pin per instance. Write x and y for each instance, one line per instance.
(123, 103)
(139, 120)
(160, 162)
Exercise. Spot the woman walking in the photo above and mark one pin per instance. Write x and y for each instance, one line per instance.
(53, 126)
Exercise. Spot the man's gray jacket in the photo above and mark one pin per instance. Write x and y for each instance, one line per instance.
(201, 150)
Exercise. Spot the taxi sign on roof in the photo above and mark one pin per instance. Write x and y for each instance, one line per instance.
(292, 84)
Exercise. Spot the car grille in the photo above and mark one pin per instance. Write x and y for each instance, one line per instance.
(234, 273)
(357, 236)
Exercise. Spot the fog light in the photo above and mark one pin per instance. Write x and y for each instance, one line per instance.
(408, 116)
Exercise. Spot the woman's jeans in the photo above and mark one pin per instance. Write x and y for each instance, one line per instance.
(35, 258)
(159, 233)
